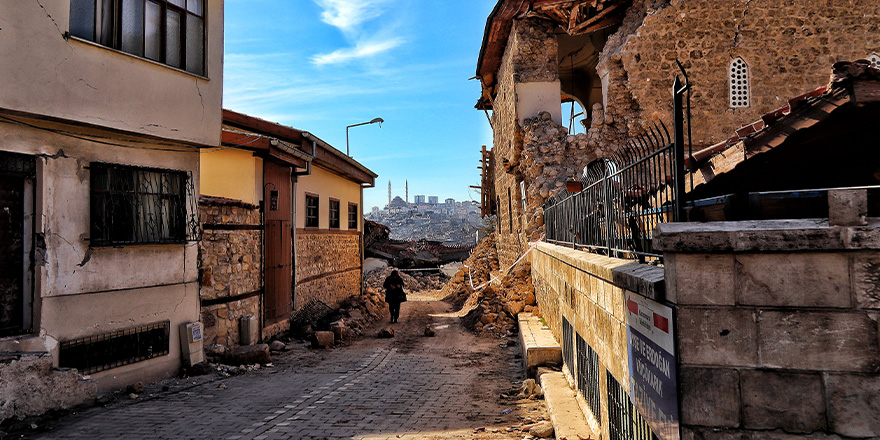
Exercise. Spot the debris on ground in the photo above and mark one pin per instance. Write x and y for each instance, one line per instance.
(492, 307)
(415, 281)
(429, 332)
(386, 333)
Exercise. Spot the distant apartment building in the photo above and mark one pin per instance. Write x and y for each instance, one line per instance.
(433, 200)
(419, 199)
(102, 126)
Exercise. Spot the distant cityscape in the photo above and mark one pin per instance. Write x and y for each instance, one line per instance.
(450, 222)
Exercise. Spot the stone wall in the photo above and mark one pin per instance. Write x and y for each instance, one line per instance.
(589, 291)
(787, 45)
(328, 267)
(777, 326)
(230, 264)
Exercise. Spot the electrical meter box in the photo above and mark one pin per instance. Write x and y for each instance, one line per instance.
(191, 352)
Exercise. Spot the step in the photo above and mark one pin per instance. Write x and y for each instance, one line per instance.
(539, 347)
(568, 420)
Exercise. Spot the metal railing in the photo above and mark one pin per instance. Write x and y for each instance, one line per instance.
(624, 197)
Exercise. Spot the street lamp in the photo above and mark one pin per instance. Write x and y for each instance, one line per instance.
(375, 120)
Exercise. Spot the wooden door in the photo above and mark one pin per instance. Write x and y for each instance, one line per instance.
(279, 242)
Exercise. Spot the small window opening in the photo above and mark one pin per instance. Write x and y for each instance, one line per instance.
(875, 61)
(739, 83)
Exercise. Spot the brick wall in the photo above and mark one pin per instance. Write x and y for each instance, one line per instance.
(589, 291)
(230, 268)
(328, 267)
(777, 327)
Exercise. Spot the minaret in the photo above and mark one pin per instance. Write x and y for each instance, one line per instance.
(407, 191)
(389, 192)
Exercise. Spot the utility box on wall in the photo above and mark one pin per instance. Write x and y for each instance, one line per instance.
(191, 352)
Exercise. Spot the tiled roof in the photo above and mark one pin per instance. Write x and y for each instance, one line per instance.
(802, 111)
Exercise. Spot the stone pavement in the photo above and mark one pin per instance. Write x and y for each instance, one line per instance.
(406, 387)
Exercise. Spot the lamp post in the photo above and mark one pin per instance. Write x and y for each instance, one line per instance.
(375, 120)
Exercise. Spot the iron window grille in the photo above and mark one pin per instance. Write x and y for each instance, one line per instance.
(311, 211)
(624, 421)
(171, 32)
(352, 216)
(588, 377)
(334, 214)
(114, 349)
(132, 205)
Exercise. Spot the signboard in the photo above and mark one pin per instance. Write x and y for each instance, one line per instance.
(652, 372)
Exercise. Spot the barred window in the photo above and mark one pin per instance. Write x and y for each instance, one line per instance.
(875, 61)
(171, 32)
(334, 214)
(352, 216)
(739, 83)
(311, 211)
(131, 205)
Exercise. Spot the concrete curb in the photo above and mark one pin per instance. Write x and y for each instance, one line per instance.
(568, 420)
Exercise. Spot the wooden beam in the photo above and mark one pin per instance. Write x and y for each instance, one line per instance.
(593, 26)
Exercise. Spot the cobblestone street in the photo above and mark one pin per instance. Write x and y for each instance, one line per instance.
(409, 386)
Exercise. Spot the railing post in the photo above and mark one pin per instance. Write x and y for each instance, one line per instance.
(678, 122)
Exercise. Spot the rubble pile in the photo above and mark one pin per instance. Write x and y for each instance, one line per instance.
(497, 305)
(494, 307)
(477, 269)
(417, 281)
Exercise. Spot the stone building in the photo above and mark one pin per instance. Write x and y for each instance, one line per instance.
(617, 59)
(776, 334)
(102, 129)
(274, 200)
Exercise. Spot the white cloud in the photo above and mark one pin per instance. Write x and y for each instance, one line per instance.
(361, 50)
(348, 14)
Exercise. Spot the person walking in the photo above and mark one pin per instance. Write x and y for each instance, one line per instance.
(394, 294)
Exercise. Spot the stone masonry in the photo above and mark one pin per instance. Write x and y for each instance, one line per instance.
(779, 319)
(328, 267)
(230, 267)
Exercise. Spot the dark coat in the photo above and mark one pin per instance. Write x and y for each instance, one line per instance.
(394, 289)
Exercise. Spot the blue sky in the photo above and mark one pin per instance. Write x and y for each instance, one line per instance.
(320, 65)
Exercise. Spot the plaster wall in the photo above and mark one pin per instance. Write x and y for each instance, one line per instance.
(327, 185)
(49, 74)
(82, 290)
(230, 173)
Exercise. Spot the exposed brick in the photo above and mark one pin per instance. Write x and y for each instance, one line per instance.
(821, 341)
(709, 396)
(715, 336)
(794, 402)
(793, 279)
(854, 404)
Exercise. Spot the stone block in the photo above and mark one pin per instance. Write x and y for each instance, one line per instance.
(250, 354)
(866, 280)
(717, 336)
(848, 207)
(323, 340)
(854, 404)
(701, 279)
(794, 402)
(710, 397)
(793, 279)
(821, 341)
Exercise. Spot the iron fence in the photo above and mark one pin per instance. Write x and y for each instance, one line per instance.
(619, 200)
(624, 421)
(588, 377)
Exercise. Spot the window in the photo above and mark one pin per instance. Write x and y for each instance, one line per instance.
(352, 216)
(739, 83)
(311, 211)
(334, 214)
(171, 32)
(131, 205)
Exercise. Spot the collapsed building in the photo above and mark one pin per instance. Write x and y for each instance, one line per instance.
(762, 321)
